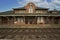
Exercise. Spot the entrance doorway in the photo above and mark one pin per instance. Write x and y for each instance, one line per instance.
(30, 20)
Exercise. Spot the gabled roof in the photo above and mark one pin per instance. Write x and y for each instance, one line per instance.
(11, 13)
(21, 8)
(38, 8)
(58, 11)
(7, 12)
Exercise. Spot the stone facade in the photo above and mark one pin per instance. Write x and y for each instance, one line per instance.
(33, 7)
(30, 14)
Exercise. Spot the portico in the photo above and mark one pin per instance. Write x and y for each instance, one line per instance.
(29, 20)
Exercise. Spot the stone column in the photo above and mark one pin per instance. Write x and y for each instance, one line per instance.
(52, 20)
(8, 20)
(35, 20)
(15, 20)
(24, 19)
(18, 19)
(42, 20)
(38, 20)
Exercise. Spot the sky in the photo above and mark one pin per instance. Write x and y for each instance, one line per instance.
(6, 5)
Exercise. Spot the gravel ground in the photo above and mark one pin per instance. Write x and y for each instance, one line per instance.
(30, 33)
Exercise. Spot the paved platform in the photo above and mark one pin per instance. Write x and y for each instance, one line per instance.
(31, 26)
(30, 33)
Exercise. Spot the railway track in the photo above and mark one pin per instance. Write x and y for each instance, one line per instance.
(30, 33)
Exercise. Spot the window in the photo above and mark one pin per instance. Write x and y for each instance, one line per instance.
(54, 12)
(22, 11)
(30, 9)
(37, 11)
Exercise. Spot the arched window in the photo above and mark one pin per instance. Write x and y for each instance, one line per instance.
(30, 9)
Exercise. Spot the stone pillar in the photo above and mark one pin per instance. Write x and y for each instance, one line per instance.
(24, 19)
(8, 20)
(52, 20)
(42, 20)
(38, 20)
(21, 20)
(15, 20)
(18, 19)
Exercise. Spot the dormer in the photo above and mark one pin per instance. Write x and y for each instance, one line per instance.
(30, 8)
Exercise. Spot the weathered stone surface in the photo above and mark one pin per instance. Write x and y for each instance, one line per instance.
(30, 34)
